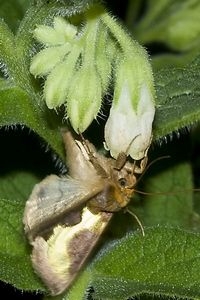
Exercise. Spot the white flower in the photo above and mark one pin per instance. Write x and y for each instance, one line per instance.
(129, 130)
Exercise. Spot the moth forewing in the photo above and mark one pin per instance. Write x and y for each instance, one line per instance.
(52, 199)
(77, 158)
(58, 260)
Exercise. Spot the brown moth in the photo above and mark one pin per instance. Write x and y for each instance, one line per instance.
(65, 216)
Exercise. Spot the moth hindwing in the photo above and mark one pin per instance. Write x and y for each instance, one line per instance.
(59, 259)
(77, 208)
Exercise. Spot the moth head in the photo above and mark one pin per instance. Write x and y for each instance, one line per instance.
(125, 178)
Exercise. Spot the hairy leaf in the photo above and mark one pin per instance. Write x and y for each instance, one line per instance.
(177, 102)
(15, 252)
(163, 262)
(12, 11)
(16, 107)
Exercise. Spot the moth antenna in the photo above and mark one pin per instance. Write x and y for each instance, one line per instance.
(150, 164)
(160, 193)
(137, 220)
(131, 143)
(165, 193)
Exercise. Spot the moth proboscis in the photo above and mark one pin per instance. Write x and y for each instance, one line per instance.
(65, 216)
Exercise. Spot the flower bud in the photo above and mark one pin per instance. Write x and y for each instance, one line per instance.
(103, 59)
(59, 80)
(78, 65)
(84, 98)
(44, 62)
(61, 33)
(129, 126)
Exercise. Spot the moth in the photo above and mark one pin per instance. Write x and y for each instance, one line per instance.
(65, 216)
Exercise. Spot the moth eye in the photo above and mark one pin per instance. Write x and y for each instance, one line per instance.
(122, 182)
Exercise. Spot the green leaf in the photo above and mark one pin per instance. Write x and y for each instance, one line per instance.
(171, 196)
(7, 43)
(169, 60)
(16, 107)
(12, 11)
(78, 289)
(177, 101)
(15, 252)
(163, 262)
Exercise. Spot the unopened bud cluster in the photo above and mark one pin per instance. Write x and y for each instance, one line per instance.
(80, 62)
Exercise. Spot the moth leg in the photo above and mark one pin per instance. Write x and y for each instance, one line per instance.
(139, 169)
(93, 158)
(122, 157)
(120, 161)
